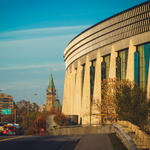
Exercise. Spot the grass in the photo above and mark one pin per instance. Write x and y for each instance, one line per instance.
(116, 142)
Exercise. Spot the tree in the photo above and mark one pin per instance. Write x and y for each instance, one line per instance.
(61, 119)
(34, 107)
(108, 98)
(132, 103)
(40, 122)
(124, 99)
(26, 113)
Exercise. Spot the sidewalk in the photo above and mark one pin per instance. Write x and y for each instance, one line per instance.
(94, 142)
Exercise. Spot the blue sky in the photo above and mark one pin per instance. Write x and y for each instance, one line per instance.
(33, 36)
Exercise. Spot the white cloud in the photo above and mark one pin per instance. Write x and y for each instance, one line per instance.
(20, 85)
(27, 56)
(54, 67)
(40, 48)
(41, 32)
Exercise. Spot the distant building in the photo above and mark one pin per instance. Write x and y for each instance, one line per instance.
(52, 104)
(6, 105)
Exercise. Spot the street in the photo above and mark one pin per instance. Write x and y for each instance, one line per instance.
(38, 142)
(85, 142)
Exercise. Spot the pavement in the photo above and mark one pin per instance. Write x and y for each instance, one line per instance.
(85, 142)
(94, 142)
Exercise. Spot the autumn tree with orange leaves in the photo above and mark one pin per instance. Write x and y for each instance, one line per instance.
(61, 119)
(125, 100)
(40, 122)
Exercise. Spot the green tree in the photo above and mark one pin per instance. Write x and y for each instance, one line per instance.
(132, 103)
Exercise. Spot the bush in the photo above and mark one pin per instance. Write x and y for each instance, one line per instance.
(126, 100)
(61, 119)
(40, 122)
(132, 104)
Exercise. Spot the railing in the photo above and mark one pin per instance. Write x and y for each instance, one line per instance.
(141, 139)
(131, 136)
(82, 130)
(125, 138)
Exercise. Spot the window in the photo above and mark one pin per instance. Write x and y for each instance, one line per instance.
(83, 72)
(105, 67)
(141, 61)
(121, 64)
(92, 77)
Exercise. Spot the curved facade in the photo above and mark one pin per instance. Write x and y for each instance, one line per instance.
(116, 47)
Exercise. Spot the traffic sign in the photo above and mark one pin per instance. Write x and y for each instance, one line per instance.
(5, 111)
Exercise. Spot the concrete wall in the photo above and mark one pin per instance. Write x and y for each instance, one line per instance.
(79, 130)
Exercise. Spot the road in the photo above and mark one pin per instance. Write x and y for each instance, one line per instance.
(86, 142)
(38, 142)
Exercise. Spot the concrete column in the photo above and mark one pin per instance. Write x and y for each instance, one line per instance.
(112, 70)
(148, 82)
(86, 94)
(77, 100)
(72, 90)
(69, 107)
(130, 63)
(65, 98)
(96, 107)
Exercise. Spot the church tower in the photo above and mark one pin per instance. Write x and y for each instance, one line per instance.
(50, 95)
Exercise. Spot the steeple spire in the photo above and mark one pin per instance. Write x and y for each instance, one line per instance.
(51, 83)
(52, 104)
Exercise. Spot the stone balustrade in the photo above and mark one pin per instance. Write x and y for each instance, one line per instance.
(141, 139)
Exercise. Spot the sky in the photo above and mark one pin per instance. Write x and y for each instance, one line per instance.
(33, 36)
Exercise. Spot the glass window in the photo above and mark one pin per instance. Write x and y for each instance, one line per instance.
(142, 64)
(121, 64)
(105, 67)
(83, 72)
(92, 77)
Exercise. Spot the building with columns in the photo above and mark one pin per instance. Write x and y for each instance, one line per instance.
(118, 47)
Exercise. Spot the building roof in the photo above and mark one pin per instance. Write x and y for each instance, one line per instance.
(3, 95)
(108, 19)
(51, 83)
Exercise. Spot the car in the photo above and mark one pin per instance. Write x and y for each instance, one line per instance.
(9, 130)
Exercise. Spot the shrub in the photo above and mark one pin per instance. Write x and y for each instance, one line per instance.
(61, 119)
